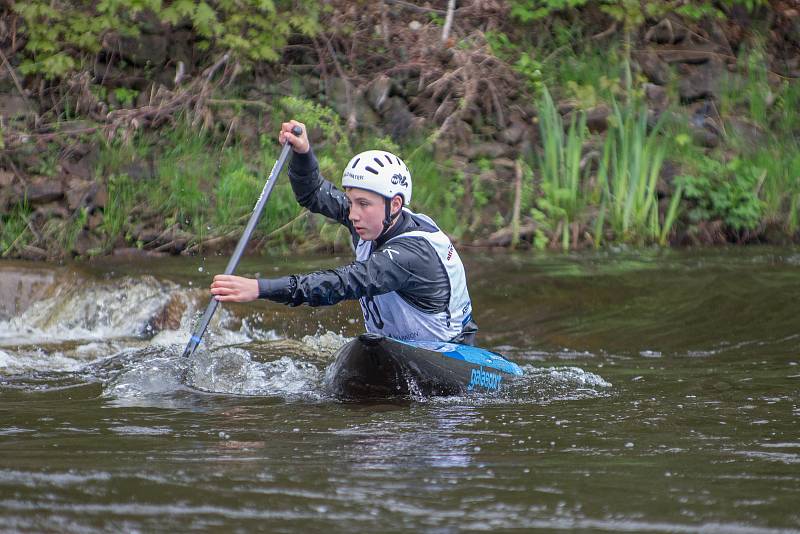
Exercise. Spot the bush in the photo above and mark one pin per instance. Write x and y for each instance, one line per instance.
(63, 34)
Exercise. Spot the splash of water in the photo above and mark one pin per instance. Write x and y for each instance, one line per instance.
(232, 371)
(88, 310)
(86, 320)
(128, 333)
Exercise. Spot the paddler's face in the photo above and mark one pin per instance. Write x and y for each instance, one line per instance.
(367, 212)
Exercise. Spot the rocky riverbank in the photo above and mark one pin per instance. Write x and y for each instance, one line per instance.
(467, 102)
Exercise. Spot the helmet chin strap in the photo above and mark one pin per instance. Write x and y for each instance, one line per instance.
(389, 219)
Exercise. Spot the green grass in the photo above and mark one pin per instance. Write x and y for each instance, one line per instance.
(438, 189)
(753, 179)
(184, 172)
(744, 94)
(208, 190)
(745, 187)
(787, 121)
(234, 196)
(114, 156)
(775, 161)
(117, 212)
(580, 188)
(65, 233)
(780, 166)
(14, 230)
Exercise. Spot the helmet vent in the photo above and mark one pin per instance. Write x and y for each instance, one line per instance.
(355, 163)
(373, 171)
(379, 162)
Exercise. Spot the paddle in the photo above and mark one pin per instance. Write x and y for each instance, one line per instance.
(237, 253)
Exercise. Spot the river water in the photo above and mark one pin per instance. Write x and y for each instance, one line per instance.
(662, 394)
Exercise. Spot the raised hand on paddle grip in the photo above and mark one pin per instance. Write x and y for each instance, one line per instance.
(230, 288)
(300, 143)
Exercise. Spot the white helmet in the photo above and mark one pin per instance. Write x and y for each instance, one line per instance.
(380, 172)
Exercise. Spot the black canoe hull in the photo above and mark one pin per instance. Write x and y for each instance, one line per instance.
(373, 366)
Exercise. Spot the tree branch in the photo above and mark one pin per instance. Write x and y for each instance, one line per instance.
(448, 21)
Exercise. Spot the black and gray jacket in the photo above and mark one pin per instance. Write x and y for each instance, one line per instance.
(416, 272)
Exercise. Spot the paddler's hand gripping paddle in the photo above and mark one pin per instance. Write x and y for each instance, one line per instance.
(237, 253)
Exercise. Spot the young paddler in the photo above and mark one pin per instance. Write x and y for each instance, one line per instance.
(407, 275)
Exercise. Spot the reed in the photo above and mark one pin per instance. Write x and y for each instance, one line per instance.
(559, 167)
(629, 170)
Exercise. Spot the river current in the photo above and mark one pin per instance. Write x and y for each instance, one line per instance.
(661, 394)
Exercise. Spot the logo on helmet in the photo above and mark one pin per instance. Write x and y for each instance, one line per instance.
(399, 179)
(354, 176)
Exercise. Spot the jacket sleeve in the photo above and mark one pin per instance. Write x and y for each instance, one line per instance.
(315, 192)
(387, 269)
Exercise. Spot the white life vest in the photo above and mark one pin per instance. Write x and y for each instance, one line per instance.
(393, 316)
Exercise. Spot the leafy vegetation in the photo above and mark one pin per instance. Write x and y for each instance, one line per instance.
(754, 179)
(65, 34)
(438, 189)
(629, 11)
(206, 190)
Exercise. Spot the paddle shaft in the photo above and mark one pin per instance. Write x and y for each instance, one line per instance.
(237, 253)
